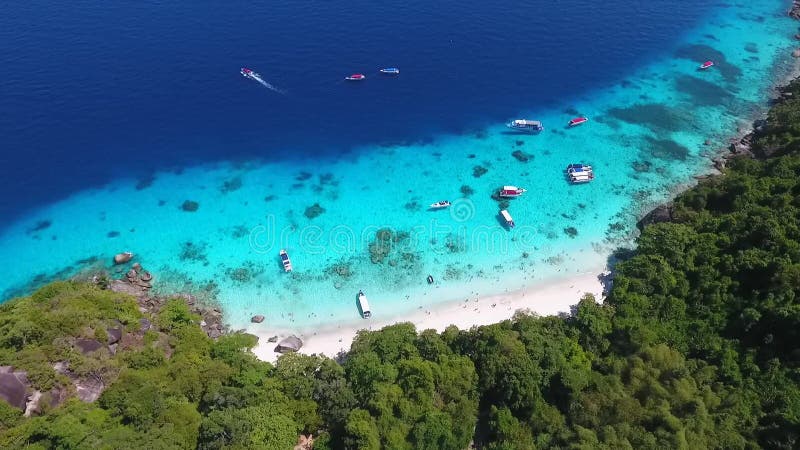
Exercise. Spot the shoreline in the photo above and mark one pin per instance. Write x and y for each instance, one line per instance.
(548, 298)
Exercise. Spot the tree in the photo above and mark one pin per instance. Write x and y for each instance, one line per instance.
(362, 433)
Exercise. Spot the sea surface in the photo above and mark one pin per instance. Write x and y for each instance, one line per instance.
(127, 127)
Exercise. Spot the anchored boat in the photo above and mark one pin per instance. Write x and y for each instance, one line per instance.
(579, 173)
(706, 65)
(578, 121)
(507, 218)
(511, 191)
(524, 125)
(363, 305)
(287, 263)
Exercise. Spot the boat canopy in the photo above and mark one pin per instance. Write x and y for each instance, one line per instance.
(364, 305)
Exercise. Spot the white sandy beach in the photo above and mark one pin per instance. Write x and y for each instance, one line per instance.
(547, 298)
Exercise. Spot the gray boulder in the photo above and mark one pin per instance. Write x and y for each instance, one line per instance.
(13, 391)
(662, 213)
(122, 258)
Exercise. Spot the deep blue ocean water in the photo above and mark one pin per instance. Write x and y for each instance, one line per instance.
(93, 90)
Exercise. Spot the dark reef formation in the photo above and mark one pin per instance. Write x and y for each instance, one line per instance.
(522, 156)
(385, 242)
(190, 206)
(314, 211)
(145, 182)
(41, 225)
(193, 252)
(234, 184)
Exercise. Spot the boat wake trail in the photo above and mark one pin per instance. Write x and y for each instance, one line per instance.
(261, 81)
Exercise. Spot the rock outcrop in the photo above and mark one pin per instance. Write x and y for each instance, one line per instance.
(122, 258)
(662, 213)
(289, 344)
(114, 335)
(13, 390)
(137, 282)
(89, 389)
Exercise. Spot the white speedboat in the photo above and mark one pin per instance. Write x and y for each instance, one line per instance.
(440, 205)
(248, 73)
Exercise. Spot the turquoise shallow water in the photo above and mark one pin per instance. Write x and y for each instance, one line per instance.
(645, 138)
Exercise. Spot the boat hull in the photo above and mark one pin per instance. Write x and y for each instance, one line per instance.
(576, 122)
(525, 129)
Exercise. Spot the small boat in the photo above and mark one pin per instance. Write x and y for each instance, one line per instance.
(578, 120)
(430, 279)
(580, 173)
(706, 65)
(507, 218)
(247, 73)
(440, 205)
(527, 126)
(363, 304)
(511, 191)
(287, 263)
(390, 71)
(356, 77)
